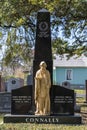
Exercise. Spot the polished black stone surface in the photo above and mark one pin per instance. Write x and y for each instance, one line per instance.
(62, 100)
(21, 100)
(76, 119)
(43, 51)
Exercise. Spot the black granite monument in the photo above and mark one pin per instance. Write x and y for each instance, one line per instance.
(62, 99)
(21, 101)
(43, 50)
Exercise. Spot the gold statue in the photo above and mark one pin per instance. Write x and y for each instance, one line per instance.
(42, 88)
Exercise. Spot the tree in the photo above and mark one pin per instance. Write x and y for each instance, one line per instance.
(68, 17)
(71, 16)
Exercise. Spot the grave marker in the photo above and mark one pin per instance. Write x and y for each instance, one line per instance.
(14, 83)
(62, 99)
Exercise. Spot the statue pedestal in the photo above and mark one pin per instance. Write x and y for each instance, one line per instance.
(57, 119)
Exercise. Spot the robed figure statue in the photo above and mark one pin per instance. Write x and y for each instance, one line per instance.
(42, 90)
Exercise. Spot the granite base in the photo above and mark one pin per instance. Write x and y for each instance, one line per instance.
(71, 119)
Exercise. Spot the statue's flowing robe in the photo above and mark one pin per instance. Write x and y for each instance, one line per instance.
(42, 87)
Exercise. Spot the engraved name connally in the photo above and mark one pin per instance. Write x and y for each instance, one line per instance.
(42, 120)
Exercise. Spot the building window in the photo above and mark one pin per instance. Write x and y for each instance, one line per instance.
(68, 74)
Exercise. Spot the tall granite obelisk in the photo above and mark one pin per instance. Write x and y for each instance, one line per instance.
(43, 50)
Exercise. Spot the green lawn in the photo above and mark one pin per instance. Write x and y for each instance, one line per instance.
(80, 91)
(80, 99)
(25, 126)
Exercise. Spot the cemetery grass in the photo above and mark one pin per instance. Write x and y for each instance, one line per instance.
(80, 99)
(80, 91)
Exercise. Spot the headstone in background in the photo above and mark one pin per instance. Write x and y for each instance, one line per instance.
(5, 102)
(21, 82)
(14, 83)
(66, 84)
(21, 100)
(30, 79)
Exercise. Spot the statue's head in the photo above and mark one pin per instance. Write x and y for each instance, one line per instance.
(43, 63)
